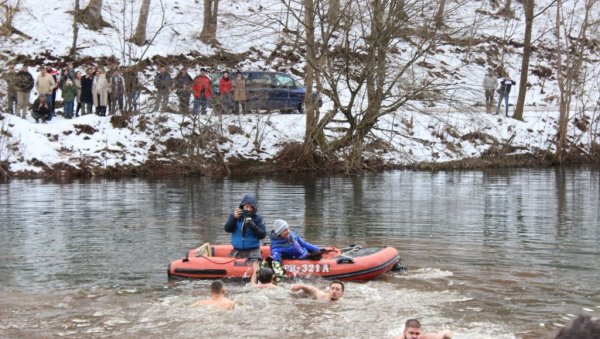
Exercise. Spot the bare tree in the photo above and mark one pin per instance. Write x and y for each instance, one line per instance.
(209, 26)
(439, 17)
(139, 38)
(527, 50)
(529, 5)
(570, 62)
(507, 10)
(366, 64)
(73, 49)
(92, 15)
(9, 9)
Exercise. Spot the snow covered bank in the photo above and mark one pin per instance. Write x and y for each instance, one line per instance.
(405, 138)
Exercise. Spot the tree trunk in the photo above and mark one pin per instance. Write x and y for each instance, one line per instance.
(139, 38)
(569, 73)
(507, 10)
(92, 15)
(439, 17)
(73, 49)
(529, 5)
(310, 144)
(209, 26)
(561, 136)
(333, 10)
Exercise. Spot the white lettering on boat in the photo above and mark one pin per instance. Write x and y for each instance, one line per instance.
(305, 269)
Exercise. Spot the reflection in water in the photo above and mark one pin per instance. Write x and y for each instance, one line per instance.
(491, 254)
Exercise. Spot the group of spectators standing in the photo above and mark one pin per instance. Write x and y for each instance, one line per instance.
(97, 88)
(231, 96)
(490, 85)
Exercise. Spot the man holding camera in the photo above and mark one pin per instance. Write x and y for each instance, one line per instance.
(247, 228)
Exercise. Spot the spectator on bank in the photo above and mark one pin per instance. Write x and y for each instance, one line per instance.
(24, 84)
(54, 74)
(77, 84)
(162, 83)
(10, 77)
(69, 92)
(117, 91)
(489, 86)
(71, 73)
(225, 87)
(202, 89)
(87, 97)
(64, 76)
(100, 89)
(112, 67)
(183, 89)
(239, 93)
(505, 84)
(132, 89)
(44, 85)
(40, 110)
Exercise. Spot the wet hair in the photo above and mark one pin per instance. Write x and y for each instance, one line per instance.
(581, 327)
(216, 287)
(337, 282)
(414, 323)
(265, 275)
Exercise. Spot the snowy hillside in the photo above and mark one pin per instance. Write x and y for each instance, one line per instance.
(256, 35)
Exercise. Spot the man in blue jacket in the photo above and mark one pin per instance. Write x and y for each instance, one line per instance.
(247, 228)
(287, 244)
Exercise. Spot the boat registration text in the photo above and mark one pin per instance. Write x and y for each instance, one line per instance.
(307, 268)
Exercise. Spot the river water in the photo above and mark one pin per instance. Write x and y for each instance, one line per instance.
(490, 254)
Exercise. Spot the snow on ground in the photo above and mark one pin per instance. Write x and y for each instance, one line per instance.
(414, 137)
(256, 27)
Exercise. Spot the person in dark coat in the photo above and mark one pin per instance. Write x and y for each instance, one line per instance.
(183, 89)
(24, 83)
(505, 84)
(86, 96)
(247, 228)
(162, 83)
(40, 110)
(54, 74)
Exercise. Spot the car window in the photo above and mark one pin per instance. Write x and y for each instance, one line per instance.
(284, 80)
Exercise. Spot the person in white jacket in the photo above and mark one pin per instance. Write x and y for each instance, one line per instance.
(489, 86)
(100, 89)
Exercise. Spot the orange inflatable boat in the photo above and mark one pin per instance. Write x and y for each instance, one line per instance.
(351, 263)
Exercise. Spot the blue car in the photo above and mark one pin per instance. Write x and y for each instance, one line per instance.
(270, 91)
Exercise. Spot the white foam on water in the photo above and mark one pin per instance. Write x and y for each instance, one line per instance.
(79, 320)
(116, 321)
(425, 274)
(587, 309)
(94, 330)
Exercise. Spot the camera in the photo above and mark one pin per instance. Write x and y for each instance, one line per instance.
(245, 213)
